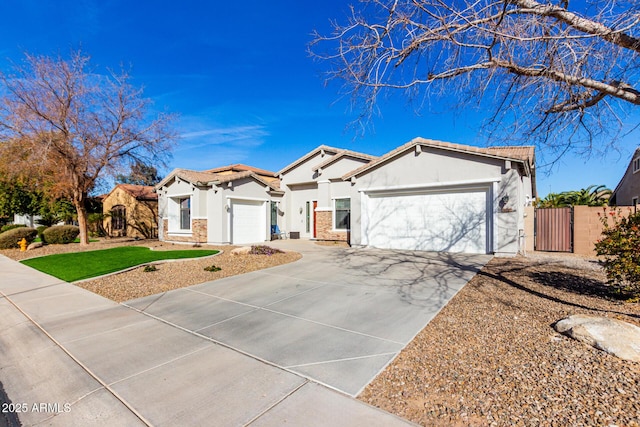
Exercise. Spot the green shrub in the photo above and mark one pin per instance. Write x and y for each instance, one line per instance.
(40, 230)
(149, 268)
(620, 246)
(10, 227)
(61, 234)
(9, 239)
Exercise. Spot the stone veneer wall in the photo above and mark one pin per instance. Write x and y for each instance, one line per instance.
(324, 222)
(198, 232)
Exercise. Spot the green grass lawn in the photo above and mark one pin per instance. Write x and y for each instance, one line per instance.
(84, 265)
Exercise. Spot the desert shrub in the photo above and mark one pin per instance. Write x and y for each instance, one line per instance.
(10, 238)
(61, 234)
(40, 230)
(620, 247)
(96, 224)
(264, 250)
(10, 227)
(212, 268)
(149, 268)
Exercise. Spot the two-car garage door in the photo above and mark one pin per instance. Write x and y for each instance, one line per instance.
(451, 221)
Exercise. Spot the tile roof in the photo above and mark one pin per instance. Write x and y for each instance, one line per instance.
(238, 167)
(206, 177)
(344, 153)
(140, 192)
(308, 156)
(523, 154)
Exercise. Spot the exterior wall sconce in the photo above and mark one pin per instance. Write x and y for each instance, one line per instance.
(300, 210)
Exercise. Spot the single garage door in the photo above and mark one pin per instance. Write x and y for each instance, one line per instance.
(248, 221)
(452, 221)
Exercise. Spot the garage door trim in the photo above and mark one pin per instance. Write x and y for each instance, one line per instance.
(471, 183)
(263, 215)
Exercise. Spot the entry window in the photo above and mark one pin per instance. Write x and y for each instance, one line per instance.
(342, 214)
(274, 214)
(118, 218)
(308, 217)
(185, 213)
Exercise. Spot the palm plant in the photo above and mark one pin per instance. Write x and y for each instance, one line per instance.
(591, 196)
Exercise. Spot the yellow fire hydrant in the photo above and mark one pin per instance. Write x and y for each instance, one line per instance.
(23, 244)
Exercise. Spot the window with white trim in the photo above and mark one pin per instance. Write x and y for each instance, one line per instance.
(185, 213)
(342, 214)
(636, 164)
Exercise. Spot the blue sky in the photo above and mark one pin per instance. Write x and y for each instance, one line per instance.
(239, 76)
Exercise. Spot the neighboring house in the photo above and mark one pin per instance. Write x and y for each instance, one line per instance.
(425, 195)
(28, 220)
(131, 211)
(234, 204)
(627, 192)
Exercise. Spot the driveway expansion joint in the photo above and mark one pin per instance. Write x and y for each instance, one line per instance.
(92, 374)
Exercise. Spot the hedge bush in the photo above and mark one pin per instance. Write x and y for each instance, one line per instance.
(9, 239)
(8, 227)
(620, 247)
(40, 230)
(60, 234)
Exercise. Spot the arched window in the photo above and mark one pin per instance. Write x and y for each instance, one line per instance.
(118, 218)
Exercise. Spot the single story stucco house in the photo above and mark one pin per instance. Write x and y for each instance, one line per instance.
(424, 195)
(131, 210)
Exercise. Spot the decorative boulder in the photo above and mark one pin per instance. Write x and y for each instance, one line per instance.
(241, 251)
(35, 245)
(615, 337)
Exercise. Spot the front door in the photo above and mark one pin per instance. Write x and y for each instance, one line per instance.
(315, 205)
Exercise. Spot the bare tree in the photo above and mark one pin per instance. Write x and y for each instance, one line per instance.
(70, 127)
(562, 77)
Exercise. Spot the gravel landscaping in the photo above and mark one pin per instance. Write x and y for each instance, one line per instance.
(492, 358)
(137, 283)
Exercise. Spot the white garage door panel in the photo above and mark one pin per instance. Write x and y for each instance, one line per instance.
(452, 222)
(248, 221)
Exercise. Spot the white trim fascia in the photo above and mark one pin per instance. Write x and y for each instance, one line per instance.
(324, 181)
(495, 191)
(324, 209)
(252, 199)
(199, 217)
(180, 195)
(432, 185)
(180, 233)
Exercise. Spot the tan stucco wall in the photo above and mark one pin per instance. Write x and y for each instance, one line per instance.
(587, 227)
(140, 214)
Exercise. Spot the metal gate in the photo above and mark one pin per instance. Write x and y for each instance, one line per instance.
(554, 229)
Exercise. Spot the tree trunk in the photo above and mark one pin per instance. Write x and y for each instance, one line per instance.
(81, 210)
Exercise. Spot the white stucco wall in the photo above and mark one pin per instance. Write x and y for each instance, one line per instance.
(436, 167)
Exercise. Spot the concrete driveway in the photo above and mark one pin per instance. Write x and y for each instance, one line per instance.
(337, 317)
(256, 349)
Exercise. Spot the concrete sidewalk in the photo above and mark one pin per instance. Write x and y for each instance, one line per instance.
(69, 357)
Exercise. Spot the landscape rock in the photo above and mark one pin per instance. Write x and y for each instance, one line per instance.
(241, 251)
(35, 245)
(613, 336)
